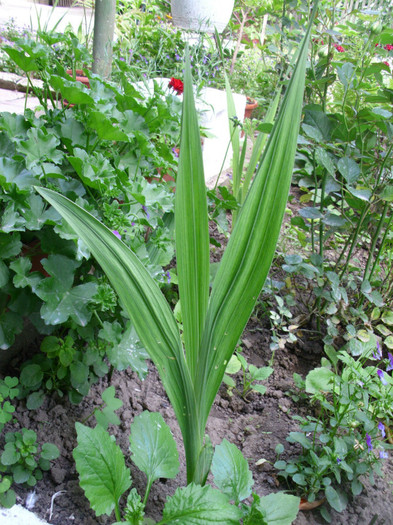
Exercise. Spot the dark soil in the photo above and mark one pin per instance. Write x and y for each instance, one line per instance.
(255, 426)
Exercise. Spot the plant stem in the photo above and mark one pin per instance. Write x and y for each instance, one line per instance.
(117, 512)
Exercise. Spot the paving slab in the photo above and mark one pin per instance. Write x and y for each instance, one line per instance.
(14, 101)
(30, 15)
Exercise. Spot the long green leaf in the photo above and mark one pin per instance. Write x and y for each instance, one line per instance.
(192, 229)
(234, 133)
(147, 308)
(250, 250)
(258, 147)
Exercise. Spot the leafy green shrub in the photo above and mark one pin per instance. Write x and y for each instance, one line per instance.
(103, 152)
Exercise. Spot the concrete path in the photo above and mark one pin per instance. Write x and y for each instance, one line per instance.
(14, 101)
(25, 14)
(31, 15)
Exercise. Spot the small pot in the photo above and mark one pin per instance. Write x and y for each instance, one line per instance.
(250, 106)
(80, 76)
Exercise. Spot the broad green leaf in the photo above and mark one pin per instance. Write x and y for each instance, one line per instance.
(31, 376)
(9, 456)
(153, 447)
(337, 499)
(382, 329)
(10, 245)
(129, 352)
(105, 128)
(15, 125)
(62, 300)
(75, 92)
(349, 169)
(8, 499)
(79, 373)
(387, 317)
(261, 389)
(389, 342)
(20, 474)
(106, 415)
(231, 472)
(35, 400)
(319, 380)
(40, 145)
(49, 451)
(192, 230)
(346, 74)
(310, 212)
(317, 124)
(11, 220)
(260, 374)
(299, 437)
(196, 505)
(387, 193)
(10, 325)
(25, 62)
(233, 366)
(357, 347)
(364, 195)
(250, 250)
(37, 214)
(279, 508)
(325, 160)
(13, 173)
(101, 468)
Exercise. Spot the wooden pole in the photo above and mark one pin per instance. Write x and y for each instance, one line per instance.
(104, 27)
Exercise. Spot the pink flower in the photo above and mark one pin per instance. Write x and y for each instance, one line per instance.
(339, 48)
(388, 47)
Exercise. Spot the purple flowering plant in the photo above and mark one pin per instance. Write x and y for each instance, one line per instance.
(346, 439)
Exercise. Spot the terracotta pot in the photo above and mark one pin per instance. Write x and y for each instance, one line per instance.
(80, 76)
(160, 178)
(250, 106)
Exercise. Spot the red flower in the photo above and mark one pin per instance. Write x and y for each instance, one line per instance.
(177, 85)
(388, 47)
(339, 48)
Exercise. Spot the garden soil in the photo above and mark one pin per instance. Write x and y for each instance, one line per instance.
(255, 426)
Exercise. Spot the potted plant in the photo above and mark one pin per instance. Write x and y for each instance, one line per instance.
(251, 104)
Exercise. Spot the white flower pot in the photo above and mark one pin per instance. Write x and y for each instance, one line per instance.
(202, 15)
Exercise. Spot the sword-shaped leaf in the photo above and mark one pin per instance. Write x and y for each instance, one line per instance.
(192, 229)
(147, 307)
(248, 256)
